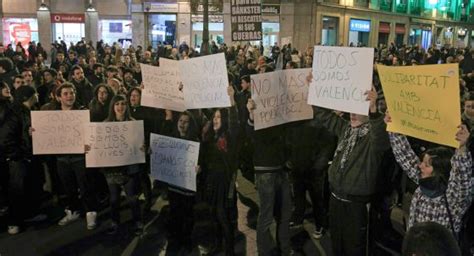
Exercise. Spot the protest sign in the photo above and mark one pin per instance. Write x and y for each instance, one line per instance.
(174, 161)
(114, 143)
(161, 86)
(280, 97)
(341, 76)
(423, 101)
(205, 82)
(58, 132)
(246, 19)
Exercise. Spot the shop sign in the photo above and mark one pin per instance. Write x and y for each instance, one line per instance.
(67, 18)
(271, 9)
(211, 9)
(160, 7)
(359, 25)
(246, 19)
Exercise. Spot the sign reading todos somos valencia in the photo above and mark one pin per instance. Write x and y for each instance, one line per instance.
(246, 18)
(423, 101)
(341, 76)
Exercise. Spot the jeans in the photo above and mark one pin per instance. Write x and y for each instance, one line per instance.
(275, 202)
(73, 174)
(132, 189)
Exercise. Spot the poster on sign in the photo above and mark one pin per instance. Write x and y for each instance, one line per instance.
(114, 143)
(246, 20)
(174, 161)
(205, 82)
(58, 132)
(341, 76)
(281, 97)
(161, 86)
(423, 101)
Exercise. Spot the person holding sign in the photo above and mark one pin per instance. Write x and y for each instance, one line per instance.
(72, 170)
(181, 200)
(443, 195)
(219, 166)
(362, 142)
(99, 106)
(126, 177)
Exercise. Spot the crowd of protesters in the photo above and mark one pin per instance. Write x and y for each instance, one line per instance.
(355, 172)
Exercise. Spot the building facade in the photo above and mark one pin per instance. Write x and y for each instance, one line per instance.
(302, 22)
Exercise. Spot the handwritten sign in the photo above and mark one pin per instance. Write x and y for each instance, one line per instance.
(341, 76)
(58, 132)
(423, 101)
(114, 143)
(246, 18)
(281, 97)
(205, 81)
(161, 86)
(174, 161)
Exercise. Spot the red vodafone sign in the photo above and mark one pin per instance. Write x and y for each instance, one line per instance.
(67, 18)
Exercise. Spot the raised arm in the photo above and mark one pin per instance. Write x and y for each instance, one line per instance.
(405, 156)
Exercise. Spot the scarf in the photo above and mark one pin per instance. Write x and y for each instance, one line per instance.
(432, 187)
(348, 142)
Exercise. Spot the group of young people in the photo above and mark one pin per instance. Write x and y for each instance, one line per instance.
(337, 158)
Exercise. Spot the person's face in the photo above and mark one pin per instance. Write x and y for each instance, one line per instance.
(78, 74)
(127, 59)
(135, 98)
(426, 167)
(128, 76)
(245, 85)
(261, 61)
(358, 120)
(47, 77)
(72, 56)
(28, 76)
(217, 121)
(18, 82)
(102, 95)
(120, 107)
(92, 61)
(60, 57)
(40, 58)
(67, 97)
(183, 125)
(111, 74)
(82, 61)
(6, 92)
(147, 54)
(469, 108)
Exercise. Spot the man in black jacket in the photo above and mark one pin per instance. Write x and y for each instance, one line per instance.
(16, 149)
(84, 89)
(273, 186)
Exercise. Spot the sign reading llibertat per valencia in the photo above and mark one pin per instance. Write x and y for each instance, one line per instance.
(423, 101)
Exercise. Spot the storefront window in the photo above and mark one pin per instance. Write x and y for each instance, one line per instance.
(271, 32)
(161, 29)
(112, 31)
(359, 32)
(329, 32)
(399, 33)
(69, 32)
(17, 30)
(421, 36)
(216, 33)
(384, 32)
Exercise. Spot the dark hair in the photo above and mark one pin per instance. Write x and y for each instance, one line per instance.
(246, 78)
(430, 239)
(441, 162)
(223, 130)
(129, 94)
(3, 85)
(6, 64)
(75, 67)
(193, 132)
(112, 117)
(64, 86)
